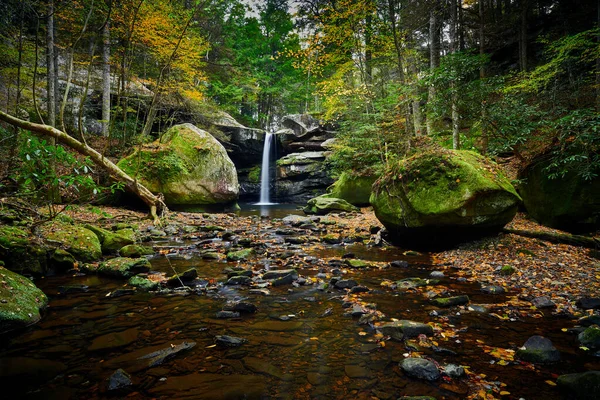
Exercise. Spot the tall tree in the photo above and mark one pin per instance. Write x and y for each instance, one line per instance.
(106, 77)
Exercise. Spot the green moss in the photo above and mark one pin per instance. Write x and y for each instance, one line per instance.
(134, 250)
(82, 243)
(254, 174)
(355, 189)
(187, 165)
(507, 270)
(142, 283)
(20, 254)
(20, 301)
(590, 337)
(323, 205)
(358, 264)
(240, 255)
(123, 267)
(450, 301)
(112, 241)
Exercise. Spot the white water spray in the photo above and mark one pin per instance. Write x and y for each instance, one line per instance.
(264, 172)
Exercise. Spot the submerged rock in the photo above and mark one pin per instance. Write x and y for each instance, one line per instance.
(538, 349)
(142, 283)
(119, 380)
(399, 330)
(583, 386)
(451, 301)
(121, 267)
(229, 341)
(438, 197)
(590, 337)
(114, 340)
(20, 301)
(420, 368)
(160, 356)
(240, 255)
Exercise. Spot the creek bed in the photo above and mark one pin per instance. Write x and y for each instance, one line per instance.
(299, 343)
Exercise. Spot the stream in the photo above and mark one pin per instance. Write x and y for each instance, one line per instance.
(301, 342)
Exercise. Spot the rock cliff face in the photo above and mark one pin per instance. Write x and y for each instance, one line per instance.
(301, 147)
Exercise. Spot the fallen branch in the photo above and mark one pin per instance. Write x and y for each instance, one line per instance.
(561, 238)
(154, 202)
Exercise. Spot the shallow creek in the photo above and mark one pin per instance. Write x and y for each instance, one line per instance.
(296, 347)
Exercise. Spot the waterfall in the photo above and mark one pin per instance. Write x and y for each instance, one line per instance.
(264, 172)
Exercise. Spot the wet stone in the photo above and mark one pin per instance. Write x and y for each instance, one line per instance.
(122, 292)
(240, 306)
(70, 289)
(185, 277)
(436, 274)
(227, 314)
(420, 368)
(454, 371)
(590, 320)
(359, 289)
(358, 264)
(493, 289)
(582, 386)
(538, 349)
(119, 380)
(405, 328)
(160, 356)
(275, 274)
(345, 284)
(588, 303)
(260, 366)
(543, 302)
(399, 264)
(239, 280)
(229, 341)
(590, 337)
(356, 371)
(451, 301)
(286, 280)
(114, 340)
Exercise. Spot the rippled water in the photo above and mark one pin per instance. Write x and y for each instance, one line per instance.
(292, 350)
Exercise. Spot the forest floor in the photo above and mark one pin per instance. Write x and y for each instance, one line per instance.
(560, 272)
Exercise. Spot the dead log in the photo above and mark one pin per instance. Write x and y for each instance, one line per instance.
(561, 238)
(154, 202)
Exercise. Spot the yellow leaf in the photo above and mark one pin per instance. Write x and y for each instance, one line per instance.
(564, 329)
(504, 393)
(550, 383)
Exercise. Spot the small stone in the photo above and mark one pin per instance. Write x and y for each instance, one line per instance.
(588, 303)
(583, 386)
(359, 289)
(451, 301)
(227, 314)
(420, 368)
(399, 264)
(239, 280)
(538, 349)
(241, 306)
(590, 337)
(493, 289)
(345, 284)
(119, 380)
(229, 341)
(543, 302)
(437, 274)
(454, 371)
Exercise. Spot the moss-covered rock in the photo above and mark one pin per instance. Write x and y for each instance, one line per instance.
(142, 283)
(135, 250)
(110, 241)
(188, 166)
(569, 203)
(20, 254)
(120, 267)
(584, 386)
(322, 205)
(590, 337)
(82, 243)
(240, 255)
(355, 189)
(61, 260)
(443, 195)
(20, 301)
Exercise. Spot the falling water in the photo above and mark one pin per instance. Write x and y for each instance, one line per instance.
(264, 172)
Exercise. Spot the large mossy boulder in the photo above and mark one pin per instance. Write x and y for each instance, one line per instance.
(569, 203)
(322, 205)
(110, 241)
(79, 241)
(20, 301)
(355, 189)
(440, 196)
(20, 254)
(187, 165)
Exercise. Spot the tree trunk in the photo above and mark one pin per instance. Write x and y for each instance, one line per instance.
(523, 35)
(434, 56)
(484, 133)
(51, 73)
(105, 79)
(564, 238)
(598, 61)
(453, 49)
(155, 203)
